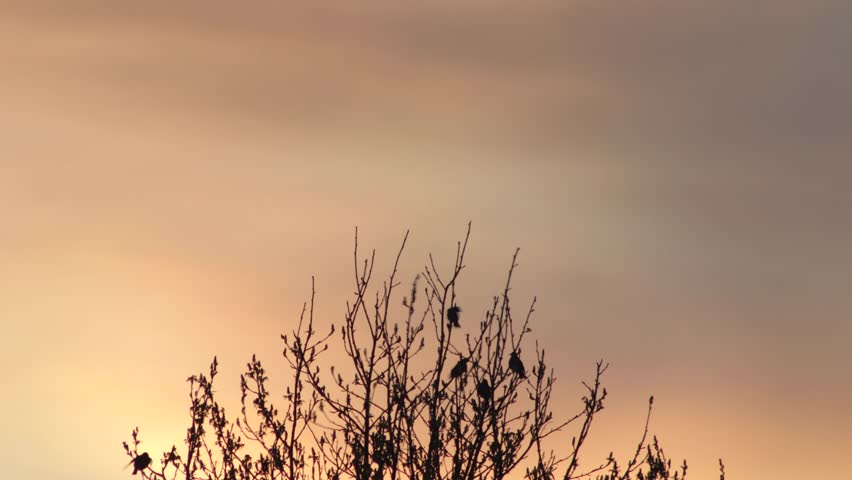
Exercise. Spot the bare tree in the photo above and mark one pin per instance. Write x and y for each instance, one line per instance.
(432, 395)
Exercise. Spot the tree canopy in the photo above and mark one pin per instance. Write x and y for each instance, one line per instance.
(433, 394)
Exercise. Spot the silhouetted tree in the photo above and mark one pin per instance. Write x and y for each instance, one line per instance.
(464, 408)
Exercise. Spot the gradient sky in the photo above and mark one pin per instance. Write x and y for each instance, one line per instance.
(676, 173)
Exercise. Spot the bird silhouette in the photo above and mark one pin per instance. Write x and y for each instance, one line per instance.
(483, 389)
(453, 316)
(516, 365)
(460, 369)
(141, 462)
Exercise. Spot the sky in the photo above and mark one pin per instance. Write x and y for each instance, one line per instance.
(676, 175)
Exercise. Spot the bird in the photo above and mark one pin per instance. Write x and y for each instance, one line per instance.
(460, 369)
(483, 389)
(453, 316)
(516, 365)
(141, 462)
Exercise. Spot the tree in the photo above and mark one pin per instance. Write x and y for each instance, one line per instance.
(429, 396)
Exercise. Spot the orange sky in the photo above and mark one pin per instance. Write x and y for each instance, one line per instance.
(676, 175)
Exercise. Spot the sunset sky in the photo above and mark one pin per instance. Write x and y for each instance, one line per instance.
(677, 174)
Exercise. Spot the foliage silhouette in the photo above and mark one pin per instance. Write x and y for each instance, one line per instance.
(402, 412)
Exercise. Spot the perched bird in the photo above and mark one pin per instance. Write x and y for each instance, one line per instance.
(516, 365)
(460, 369)
(483, 389)
(453, 316)
(141, 462)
